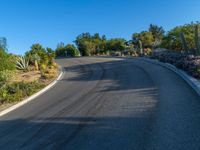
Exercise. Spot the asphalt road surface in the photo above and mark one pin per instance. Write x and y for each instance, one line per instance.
(107, 103)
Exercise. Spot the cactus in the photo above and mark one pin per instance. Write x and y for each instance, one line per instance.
(184, 44)
(197, 40)
(22, 63)
(140, 47)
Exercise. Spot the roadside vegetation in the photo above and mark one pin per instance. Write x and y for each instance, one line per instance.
(22, 76)
(180, 46)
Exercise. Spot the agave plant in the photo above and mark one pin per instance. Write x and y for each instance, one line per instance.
(22, 63)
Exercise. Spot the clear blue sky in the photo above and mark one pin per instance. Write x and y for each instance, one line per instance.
(24, 22)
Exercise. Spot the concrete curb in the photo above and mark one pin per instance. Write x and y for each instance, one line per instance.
(25, 101)
(194, 83)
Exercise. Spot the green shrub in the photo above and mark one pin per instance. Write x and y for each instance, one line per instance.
(173, 41)
(17, 91)
(72, 50)
(5, 76)
(68, 50)
(39, 56)
(6, 62)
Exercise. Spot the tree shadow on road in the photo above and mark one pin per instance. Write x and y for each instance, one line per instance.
(117, 75)
(76, 133)
(125, 126)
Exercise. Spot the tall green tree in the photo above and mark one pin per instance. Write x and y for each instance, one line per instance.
(68, 50)
(3, 44)
(60, 50)
(6, 61)
(72, 50)
(90, 44)
(173, 41)
(145, 37)
(116, 44)
(158, 34)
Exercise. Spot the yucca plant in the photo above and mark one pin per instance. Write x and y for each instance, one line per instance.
(22, 63)
(36, 58)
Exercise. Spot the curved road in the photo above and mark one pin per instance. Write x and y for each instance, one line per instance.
(106, 103)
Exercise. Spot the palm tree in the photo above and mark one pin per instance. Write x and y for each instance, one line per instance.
(35, 58)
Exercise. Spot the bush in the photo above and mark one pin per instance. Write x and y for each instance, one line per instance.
(116, 44)
(72, 50)
(39, 56)
(68, 50)
(173, 41)
(188, 63)
(17, 91)
(6, 62)
(5, 76)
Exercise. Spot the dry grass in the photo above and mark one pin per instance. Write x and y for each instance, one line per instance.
(33, 75)
(26, 76)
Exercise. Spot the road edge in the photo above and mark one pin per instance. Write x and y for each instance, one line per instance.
(31, 98)
(194, 83)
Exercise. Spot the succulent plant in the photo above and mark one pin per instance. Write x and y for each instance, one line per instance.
(184, 43)
(140, 47)
(197, 40)
(22, 63)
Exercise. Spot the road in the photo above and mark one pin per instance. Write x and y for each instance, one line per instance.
(107, 103)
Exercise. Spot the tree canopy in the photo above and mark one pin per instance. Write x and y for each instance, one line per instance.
(90, 44)
(158, 34)
(68, 50)
(145, 37)
(173, 41)
(116, 44)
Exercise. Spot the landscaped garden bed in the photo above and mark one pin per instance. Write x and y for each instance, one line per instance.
(22, 76)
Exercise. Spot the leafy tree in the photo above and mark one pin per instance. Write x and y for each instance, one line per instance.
(68, 50)
(60, 45)
(72, 50)
(145, 37)
(3, 44)
(6, 61)
(90, 44)
(173, 41)
(60, 50)
(116, 44)
(158, 33)
(84, 44)
(37, 49)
